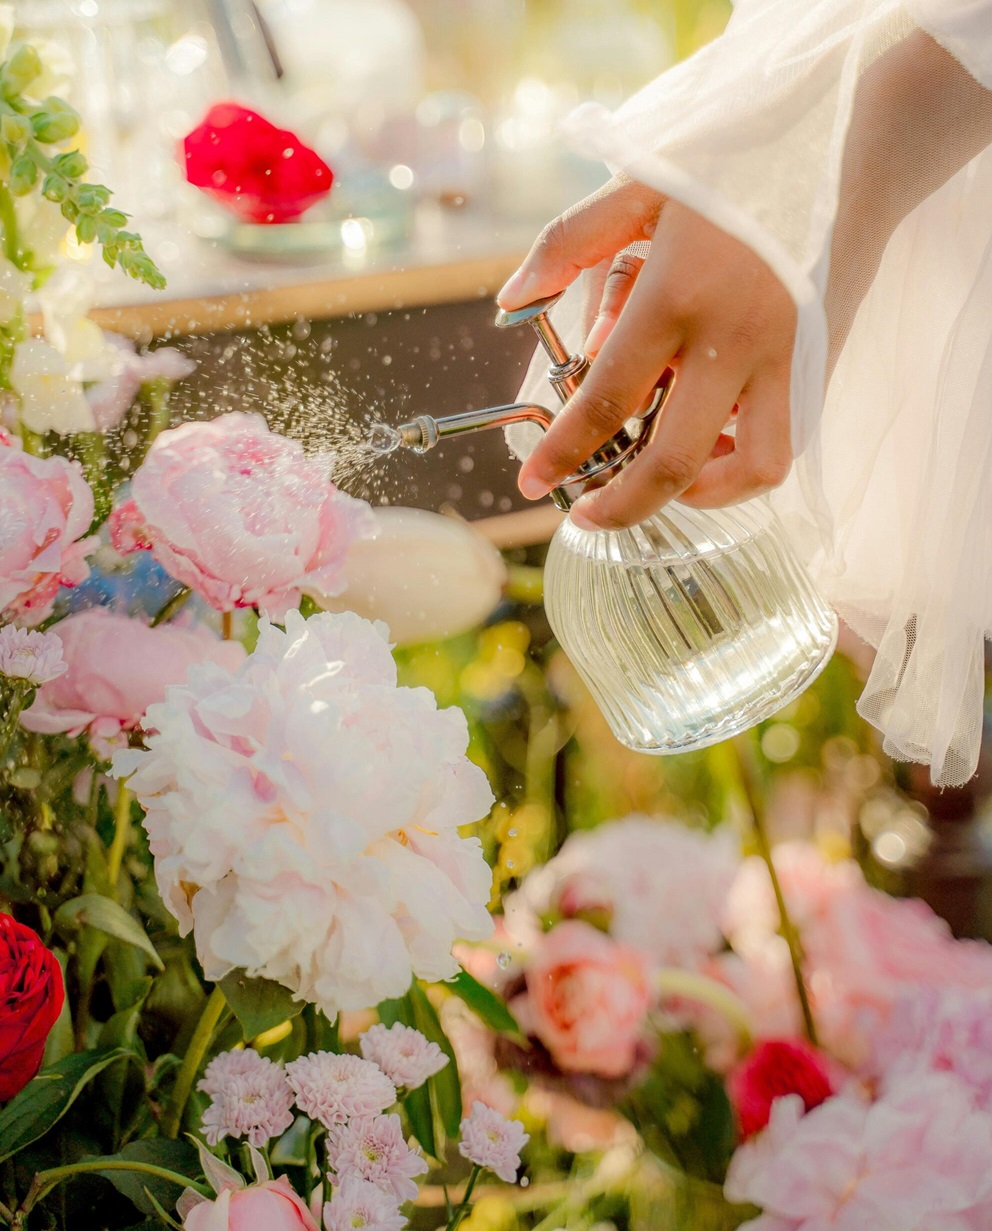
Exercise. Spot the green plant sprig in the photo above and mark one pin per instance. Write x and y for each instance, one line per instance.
(27, 125)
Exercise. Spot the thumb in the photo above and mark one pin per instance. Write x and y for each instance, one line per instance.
(620, 213)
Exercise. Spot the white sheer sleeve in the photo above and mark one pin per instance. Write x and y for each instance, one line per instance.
(803, 131)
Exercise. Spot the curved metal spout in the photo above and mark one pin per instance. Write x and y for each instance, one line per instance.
(425, 431)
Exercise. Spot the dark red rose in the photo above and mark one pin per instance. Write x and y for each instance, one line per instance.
(260, 172)
(31, 996)
(775, 1068)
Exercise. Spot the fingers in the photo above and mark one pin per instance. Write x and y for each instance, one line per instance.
(761, 455)
(616, 291)
(640, 348)
(686, 434)
(620, 213)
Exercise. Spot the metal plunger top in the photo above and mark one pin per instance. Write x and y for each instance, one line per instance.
(567, 370)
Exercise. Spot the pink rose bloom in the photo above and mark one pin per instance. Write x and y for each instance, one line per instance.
(117, 667)
(864, 950)
(587, 999)
(915, 1160)
(46, 507)
(272, 1206)
(242, 515)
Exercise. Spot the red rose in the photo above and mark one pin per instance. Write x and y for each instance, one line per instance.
(260, 172)
(775, 1068)
(31, 996)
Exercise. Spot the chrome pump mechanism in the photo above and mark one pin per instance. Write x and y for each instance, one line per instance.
(565, 374)
(687, 628)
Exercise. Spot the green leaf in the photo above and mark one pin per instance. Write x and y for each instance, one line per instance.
(96, 911)
(138, 1186)
(445, 1087)
(258, 1004)
(483, 1003)
(417, 1104)
(46, 1099)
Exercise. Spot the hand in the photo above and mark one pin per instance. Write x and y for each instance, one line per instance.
(701, 303)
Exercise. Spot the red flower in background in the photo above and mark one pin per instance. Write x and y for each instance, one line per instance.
(31, 996)
(775, 1068)
(260, 172)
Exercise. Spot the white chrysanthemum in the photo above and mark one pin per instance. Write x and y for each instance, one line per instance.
(332, 1088)
(359, 1205)
(30, 656)
(492, 1141)
(303, 813)
(250, 1097)
(373, 1148)
(659, 885)
(404, 1054)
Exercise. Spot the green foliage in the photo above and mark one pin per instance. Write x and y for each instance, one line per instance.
(485, 1004)
(46, 1099)
(145, 1190)
(29, 129)
(94, 910)
(258, 1004)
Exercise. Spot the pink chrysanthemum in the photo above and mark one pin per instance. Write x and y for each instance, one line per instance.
(32, 657)
(359, 1205)
(404, 1054)
(373, 1148)
(333, 1089)
(490, 1140)
(250, 1098)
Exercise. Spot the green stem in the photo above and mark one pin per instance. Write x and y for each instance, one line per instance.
(169, 609)
(8, 224)
(209, 1020)
(462, 1210)
(787, 927)
(9, 723)
(91, 451)
(122, 832)
(227, 625)
(45, 1181)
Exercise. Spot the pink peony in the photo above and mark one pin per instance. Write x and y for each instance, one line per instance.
(111, 398)
(372, 1148)
(117, 668)
(774, 1069)
(33, 658)
(303, 814)
(46, 507)
(915, 1160)
(491, 1141)
(652, 882)
(243, 516)
(864, 950)
(333, 1088)
(946, 1030)
(272, 1206)
(587, 1000)
(404, 1054)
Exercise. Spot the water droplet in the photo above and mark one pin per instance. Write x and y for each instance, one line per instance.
(503, 960)
(383, 438)
(509, 865)
(524, 1182)
(512, 833)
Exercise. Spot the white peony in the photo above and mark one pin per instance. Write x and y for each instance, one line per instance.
(659, 885)
(303, 813)
(51, 398)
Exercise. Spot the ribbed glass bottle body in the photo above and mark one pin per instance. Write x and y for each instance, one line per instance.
(690, 627)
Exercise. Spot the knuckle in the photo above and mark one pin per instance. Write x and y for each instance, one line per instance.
(770, 472)
(550, 244)
(675, 468)
(624, 269)
(603, 413)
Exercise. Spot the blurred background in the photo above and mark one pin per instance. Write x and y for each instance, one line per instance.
(439, 120)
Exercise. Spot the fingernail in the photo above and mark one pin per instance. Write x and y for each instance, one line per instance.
(532, 487)
(579, 514)
(513, 293)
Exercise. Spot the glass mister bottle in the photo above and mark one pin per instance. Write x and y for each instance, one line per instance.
(687, 628)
